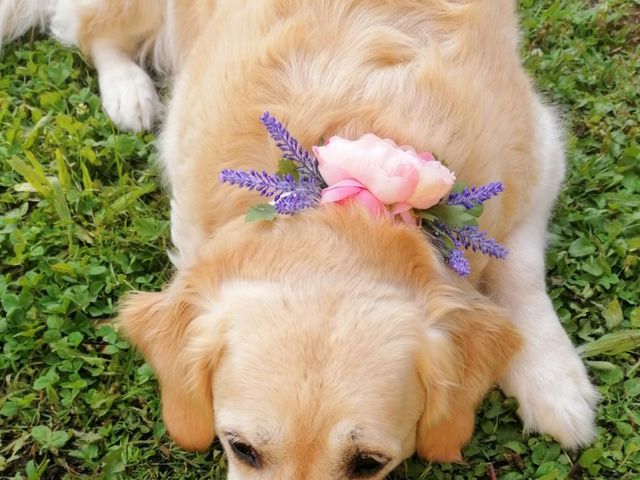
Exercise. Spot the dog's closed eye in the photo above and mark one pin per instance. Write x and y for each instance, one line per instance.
(244, 452)
(365, 465)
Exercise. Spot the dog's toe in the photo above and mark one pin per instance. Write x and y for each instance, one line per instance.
(129, 98)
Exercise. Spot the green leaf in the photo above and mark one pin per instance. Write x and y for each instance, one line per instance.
(60, 203)
(49, 99)
(607, 371)
(112, 464)
(10, 303)
(63, 172)
(59, 438)
(288, 167)
(517, 447)
(97, 270)
(611, 344)
(55, 323)
(263, 212)
(46, 380)
(89, 154)
(548, 471)
(589, 457)
(581, 247)
(512, 476)
(632, 387)
(476, 211)
(34, 471)
(87, 182)
(613, 314)
(425, 215)
(451, 215)
(41, 434)
(458, 186)
(33, 173)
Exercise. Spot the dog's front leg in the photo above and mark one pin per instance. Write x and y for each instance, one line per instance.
(111, 32)
(547, 377)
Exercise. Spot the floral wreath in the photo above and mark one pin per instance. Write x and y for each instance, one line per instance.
(388, 180)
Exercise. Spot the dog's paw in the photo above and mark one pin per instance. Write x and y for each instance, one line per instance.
(129, 97)
(554, 394)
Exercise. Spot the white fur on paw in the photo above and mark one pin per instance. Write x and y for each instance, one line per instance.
(129, 97)
(554, 394)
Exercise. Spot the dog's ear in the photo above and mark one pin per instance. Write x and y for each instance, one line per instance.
(468, 344)
(182, 344)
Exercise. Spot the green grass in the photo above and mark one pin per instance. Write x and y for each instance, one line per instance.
(84, 220)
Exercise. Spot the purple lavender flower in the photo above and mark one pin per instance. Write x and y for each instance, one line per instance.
(472, 197)
(458, 262)
(291, 149)
(470, 237)
(290, 196)
(290, 203)
(262, 182)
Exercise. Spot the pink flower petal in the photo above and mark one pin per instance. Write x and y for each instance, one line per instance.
(405, 212)
(435, 182)
(374, 206)
(410, 219)
(353, 191)
(340, 191)
(400, 208)
(427, 157)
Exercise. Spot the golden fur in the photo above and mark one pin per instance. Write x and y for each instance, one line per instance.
(328, 335)
(370, 316)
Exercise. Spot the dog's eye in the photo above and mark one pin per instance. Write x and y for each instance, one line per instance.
(245, 453)
(365, 465)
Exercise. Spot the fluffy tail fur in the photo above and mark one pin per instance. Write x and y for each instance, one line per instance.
(18, 16)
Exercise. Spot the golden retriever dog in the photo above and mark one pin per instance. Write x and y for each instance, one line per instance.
(330, 344)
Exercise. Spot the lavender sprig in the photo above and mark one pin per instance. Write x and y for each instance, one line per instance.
(458, 262)
(288, 204)
(291, 149)
(289, 196)
(470, 237)
(262, 182)
(474, 196)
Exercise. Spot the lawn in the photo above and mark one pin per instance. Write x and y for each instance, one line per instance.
(83, 219)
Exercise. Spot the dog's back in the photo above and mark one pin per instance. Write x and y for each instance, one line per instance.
(428, 74)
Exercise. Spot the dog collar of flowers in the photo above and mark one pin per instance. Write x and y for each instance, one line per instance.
(388, 180)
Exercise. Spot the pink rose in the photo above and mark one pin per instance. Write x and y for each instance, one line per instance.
(380, 175)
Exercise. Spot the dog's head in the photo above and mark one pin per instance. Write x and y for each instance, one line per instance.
(326, 345)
